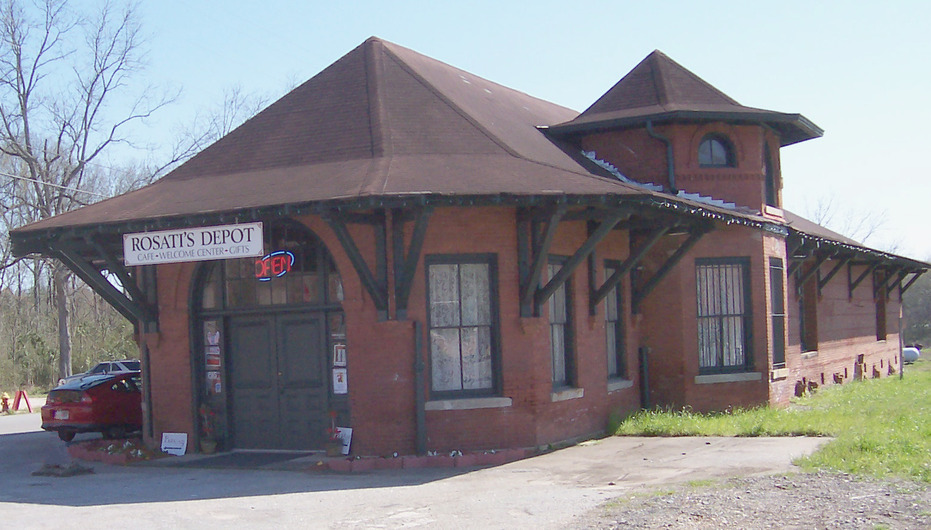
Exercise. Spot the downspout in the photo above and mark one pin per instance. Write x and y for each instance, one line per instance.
(419, 391)
(670, 160)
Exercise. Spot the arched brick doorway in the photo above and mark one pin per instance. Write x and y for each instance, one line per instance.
(265, 331)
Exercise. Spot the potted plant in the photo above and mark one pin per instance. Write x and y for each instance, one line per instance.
(334, 444)
(208, 427)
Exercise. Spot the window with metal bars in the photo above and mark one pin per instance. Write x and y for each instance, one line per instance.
(614, 326)
(724, 318)
(778, 310)
(559, 312)
(462, 320)
(879, 278)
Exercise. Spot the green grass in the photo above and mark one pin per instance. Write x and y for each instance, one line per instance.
(882, 427)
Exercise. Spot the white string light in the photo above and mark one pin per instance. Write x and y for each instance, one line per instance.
(66, 188)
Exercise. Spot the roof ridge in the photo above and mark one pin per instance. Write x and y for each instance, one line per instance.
(377, 114)
(442, 97)
(657, 55)
(659, 80)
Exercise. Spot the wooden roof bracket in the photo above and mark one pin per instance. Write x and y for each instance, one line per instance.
(136, 311)
(375, 283)
(405, 262)
(640, 293)
(852, 284)
(597, 295)
(814, 269)
(897, 284)
(887, 281)
(796, 261)
(604, 228)
(533, 248)
(917, 274)
(143, 278)
(824, 281)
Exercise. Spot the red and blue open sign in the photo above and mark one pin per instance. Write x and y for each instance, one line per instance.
(274, 265)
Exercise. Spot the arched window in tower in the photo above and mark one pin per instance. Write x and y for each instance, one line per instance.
(771, 189)
(716, 150)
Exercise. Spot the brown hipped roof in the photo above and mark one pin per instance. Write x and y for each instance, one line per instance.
(660, 89)
(382, 121)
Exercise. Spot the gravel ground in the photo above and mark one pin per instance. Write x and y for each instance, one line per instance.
(816, 500)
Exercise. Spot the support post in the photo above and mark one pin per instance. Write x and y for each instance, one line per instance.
(419, 390)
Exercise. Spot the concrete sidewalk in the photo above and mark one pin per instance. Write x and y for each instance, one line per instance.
(547, 491)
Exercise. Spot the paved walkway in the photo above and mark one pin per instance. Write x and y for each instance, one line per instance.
(548, 491)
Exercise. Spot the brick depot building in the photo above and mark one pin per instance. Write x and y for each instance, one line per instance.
(445, 263)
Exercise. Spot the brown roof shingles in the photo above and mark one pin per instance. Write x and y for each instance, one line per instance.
(382, 120)
(659, 89)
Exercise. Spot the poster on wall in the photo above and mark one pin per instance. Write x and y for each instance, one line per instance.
(211, 333)
(340, 382)
(339, 355)
(212, 358)
(214, 383)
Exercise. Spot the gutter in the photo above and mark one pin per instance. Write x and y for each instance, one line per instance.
(670, 160)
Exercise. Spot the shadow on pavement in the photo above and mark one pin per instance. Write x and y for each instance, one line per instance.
(179, 479)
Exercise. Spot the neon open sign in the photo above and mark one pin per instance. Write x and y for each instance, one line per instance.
(274, 265)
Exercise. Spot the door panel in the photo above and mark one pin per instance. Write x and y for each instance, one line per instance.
(279, 386)
(254, 382)
(302, 386)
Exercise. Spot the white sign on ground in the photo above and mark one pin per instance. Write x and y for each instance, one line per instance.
(174, 443)
(193, 244)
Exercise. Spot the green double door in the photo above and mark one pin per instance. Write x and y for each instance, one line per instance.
(278, 381)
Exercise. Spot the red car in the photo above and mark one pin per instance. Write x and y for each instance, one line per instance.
(110, 404)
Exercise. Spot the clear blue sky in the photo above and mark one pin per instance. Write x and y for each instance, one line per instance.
(859, 70)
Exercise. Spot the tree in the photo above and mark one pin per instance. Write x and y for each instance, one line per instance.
(916, 309)
(857, 225)
(65, 100)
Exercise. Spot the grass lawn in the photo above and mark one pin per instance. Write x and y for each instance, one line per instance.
(882, 427)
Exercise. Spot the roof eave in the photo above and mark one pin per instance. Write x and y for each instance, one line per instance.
(860, 250)
(793, 128)
(39, 241)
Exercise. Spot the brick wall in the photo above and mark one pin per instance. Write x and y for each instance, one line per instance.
(670, 326)
(381, 353)
(643, 158)
(169, 368)
(846, 329)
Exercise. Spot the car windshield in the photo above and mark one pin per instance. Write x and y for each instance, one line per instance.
(87, 382)
(100, 368)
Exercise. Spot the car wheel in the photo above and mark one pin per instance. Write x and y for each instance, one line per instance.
(66, 436)
(114, 432)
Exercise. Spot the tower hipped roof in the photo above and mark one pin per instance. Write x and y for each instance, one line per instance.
(661, 90)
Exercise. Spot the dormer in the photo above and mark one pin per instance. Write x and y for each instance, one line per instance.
(661, 124)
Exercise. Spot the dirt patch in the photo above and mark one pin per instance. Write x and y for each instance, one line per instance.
(802, 500)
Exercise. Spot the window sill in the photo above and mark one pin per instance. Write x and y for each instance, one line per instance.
(567, 394)
(809, 354)
(778, 374)
(728, 378)
(773, 211)
(469, 403)
(619, 384)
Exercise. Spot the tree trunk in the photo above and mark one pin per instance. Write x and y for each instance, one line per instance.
(60, 278)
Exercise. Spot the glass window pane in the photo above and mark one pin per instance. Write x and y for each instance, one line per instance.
(211, 297)
(444, 357)
(611, 348)
(476, 358)
(558, 345)
(279, 291)
(263, 293)
(334, 286)
(444, 295)
(476, 294)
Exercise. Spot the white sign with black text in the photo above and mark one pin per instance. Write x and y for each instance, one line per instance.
(193, 244)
